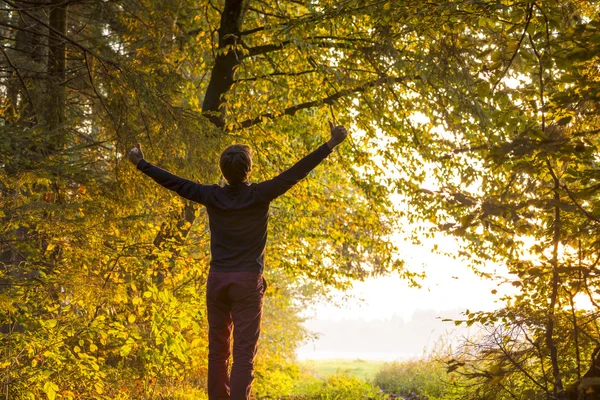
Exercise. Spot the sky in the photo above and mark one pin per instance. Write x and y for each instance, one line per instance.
(449, 284)
(449, 288)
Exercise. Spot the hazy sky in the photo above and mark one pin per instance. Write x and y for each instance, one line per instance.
(450, 286)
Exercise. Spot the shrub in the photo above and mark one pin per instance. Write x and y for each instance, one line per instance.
(420, 377)
(275, 382)
(335, 387)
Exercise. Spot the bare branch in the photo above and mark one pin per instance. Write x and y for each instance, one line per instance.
(13, 66)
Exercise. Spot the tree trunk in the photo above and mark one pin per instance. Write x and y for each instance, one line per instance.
(54, 107)
(220, 82)
(221, 78)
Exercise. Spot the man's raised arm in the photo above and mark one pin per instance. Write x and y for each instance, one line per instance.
(283, 182)
(183, 187)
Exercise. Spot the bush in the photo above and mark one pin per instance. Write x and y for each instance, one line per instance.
(335, 387)
(419, 377)
(275, 382)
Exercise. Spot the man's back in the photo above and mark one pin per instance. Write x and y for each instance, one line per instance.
(238, 218)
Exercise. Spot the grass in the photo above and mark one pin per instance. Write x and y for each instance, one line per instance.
(362, 369)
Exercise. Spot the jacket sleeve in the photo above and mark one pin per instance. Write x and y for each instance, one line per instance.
(183, 187)
(273, 188)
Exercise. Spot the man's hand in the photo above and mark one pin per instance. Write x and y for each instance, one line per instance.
(135, 155)
(338, 135)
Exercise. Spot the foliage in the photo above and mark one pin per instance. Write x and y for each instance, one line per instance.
(103, 272)
(420, 377)
(358, 368)
(519, 192)
(335, 387)
(481, 116)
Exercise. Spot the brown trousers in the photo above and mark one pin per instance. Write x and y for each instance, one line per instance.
(233, 299)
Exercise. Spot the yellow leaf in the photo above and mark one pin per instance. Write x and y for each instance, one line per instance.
(131, 318)
(50, 388)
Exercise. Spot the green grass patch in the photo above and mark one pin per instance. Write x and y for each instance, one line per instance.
(361, 369)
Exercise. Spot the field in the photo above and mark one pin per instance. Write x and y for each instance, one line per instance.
(362, 369)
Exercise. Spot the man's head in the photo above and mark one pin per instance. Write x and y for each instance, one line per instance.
(236, 163)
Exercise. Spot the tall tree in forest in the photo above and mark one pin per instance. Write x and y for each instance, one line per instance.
(528, 203)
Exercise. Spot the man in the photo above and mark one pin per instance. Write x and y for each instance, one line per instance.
(237, 213)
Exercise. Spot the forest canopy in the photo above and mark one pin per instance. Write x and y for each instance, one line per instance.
(481, 116)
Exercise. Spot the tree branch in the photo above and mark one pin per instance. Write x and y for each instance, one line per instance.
(275, 74)
(583, 210)
(14, 67)
(327, 100)
(268, 14)
(549, 334)
(529, 14)
(221, 78)
(268, 48)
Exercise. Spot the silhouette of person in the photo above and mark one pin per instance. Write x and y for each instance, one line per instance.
(238, 214)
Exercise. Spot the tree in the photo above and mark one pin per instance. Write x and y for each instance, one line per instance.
(103, 273)
(519, 191)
